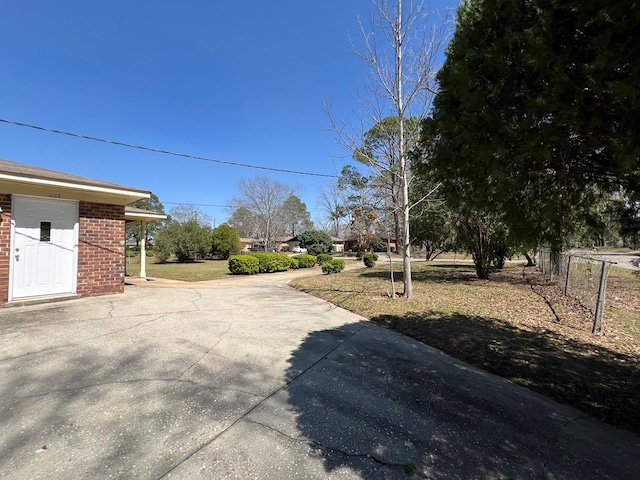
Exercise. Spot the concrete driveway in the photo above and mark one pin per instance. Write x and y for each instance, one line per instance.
(266, 382)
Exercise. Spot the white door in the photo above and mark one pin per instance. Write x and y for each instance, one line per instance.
(43, 247)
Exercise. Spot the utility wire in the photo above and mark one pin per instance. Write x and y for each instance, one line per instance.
(223, 206)
(166, 152)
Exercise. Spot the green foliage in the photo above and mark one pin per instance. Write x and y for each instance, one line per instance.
(162, 257)
(152, 204)
(130, 253)
(295, 216)
(243, 265)
(546, 107)
(272, 262)
(333, 266)
(377, 244)
(485, 237)
(359, 254)
(432, 220)
(188, 241)
(315, 241)
(150, 252)
(295, 263)
(225, 241)
(305, 260)
(323, 257)
(369, 259)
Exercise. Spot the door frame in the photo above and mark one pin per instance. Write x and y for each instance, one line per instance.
(74, 266)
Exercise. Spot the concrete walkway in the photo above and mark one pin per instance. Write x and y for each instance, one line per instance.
(266, 382)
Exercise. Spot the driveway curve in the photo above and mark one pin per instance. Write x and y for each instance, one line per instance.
(267, 382)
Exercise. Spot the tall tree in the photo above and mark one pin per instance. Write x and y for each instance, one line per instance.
(363, 203)
(295, 216)
(380, 152)
(538, 101)
(400, 48)
(265, 199)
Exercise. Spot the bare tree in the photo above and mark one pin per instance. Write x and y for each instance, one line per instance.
(265, 199)
(332, 201)
(400, 46)
(183, 213)
(244, 222)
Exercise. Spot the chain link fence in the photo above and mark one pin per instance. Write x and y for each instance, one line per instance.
(582, 278)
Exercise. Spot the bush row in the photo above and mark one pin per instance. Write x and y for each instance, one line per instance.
(268, 263)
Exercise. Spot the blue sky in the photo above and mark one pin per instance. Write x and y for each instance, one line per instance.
(236, 81)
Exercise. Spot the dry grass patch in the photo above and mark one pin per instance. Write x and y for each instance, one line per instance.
(516, 325)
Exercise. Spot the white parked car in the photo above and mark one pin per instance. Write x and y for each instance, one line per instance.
(299, 249)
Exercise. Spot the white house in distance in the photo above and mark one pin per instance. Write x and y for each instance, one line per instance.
(62, 235)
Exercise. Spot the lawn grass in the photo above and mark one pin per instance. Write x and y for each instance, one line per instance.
(187, 272)
(515, 325)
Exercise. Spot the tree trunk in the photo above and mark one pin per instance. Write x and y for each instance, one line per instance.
(531, 262)
(393, 282)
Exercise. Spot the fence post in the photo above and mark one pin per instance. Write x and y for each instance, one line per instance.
(566, 281)
(597, 320)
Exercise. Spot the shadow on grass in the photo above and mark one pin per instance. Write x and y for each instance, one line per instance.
(591, 378)
(425, 273)
(175, 262)
(455, 273)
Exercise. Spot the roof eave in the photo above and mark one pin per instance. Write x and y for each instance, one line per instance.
(118, 196)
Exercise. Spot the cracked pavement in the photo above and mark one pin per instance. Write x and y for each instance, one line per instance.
(266, 382)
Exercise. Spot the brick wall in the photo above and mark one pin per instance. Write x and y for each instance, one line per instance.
(100, 249)
(5, 246)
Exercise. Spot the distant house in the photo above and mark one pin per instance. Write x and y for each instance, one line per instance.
(352, 243)
(337, 244)
(256, 245)
(247, 245)
(62, 235)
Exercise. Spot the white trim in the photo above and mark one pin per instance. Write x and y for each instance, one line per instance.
(75, 186)
(144, 216)
(76, 236)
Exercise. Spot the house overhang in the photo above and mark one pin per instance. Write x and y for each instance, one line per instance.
(53, 188)
(134, 215)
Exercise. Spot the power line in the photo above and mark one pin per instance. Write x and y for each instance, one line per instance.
(166, 152)
(224, 206)
(195, 204)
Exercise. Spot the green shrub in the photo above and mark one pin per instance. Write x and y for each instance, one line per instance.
(305, 260)
(333, 266)
(315, 241)
(323, 258)
(377, 244)
(294, 263)
(272, 262)
(369, 259)
(162, 257)
(150, 252)
(359, 254)
(225, 241)
(131, 253)
(243, 264)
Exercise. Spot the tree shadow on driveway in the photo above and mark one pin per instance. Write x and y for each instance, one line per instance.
(385, 406)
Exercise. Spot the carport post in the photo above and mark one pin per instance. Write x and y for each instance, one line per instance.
(143, 249)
